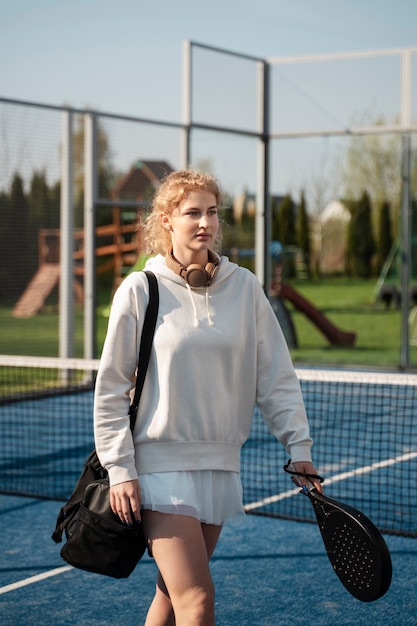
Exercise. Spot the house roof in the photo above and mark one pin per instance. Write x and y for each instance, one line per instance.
(141, 180)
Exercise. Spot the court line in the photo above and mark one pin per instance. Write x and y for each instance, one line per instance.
(366, 469)
(35, 579)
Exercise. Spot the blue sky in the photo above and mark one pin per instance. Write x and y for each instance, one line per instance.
(126, 56)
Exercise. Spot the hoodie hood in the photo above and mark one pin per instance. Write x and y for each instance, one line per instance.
(157, 264)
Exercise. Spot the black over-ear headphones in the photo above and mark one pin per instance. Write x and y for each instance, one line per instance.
(195, 275)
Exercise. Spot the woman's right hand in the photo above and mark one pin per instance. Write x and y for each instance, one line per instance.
(125, 501)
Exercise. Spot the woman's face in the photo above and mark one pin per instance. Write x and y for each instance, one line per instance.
(193, 227)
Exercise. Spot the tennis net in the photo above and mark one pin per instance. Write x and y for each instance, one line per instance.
(363, 424)
(46, 427)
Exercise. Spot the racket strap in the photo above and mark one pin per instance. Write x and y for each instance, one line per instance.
(289, 470)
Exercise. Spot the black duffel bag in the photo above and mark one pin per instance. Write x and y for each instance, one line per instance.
(97, 541)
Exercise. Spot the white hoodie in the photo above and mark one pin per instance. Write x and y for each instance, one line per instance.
(216, 352)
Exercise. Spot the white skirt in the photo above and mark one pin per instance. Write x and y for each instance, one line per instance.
(211, 496)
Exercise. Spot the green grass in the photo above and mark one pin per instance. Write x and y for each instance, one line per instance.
(347, 303)
(350, 305)
(39, 335)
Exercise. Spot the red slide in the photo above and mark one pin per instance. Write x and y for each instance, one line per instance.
(336, 336)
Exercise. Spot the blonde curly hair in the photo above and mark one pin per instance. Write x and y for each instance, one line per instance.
(173, 190)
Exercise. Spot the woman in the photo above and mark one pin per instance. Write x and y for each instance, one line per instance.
(217, 350)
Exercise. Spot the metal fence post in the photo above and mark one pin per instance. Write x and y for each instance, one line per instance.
(90, 198)
(263, 211)
(186, 103)
(66, 287)
(405, 208)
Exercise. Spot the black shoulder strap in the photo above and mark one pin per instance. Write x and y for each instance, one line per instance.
(92, 469)
(148, 331)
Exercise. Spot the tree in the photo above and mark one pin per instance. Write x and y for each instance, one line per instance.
(286, 222)
(361, 246)
(43, 202)
(385, 238)
(247, 218)
(22, 241)
(275, 204)
(21, 217)
(414, 239)
(287, 232)
(6, 232)
(303, 231)
(373, 163)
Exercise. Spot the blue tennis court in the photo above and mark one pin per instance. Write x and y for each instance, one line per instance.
(266, 571)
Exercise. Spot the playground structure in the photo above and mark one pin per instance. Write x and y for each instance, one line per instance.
(118, 243)
(118, 246)
(281, 291)
(333, 334)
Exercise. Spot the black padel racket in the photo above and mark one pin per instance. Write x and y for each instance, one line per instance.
(355, 547)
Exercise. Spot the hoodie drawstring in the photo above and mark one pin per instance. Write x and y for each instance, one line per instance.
(196, 320)
(210, 321)
(193, 304)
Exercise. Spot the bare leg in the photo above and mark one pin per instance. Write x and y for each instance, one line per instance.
(160, 612)
(182, 548)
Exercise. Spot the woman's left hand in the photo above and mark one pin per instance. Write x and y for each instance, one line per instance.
(306, 467)
(125, 501)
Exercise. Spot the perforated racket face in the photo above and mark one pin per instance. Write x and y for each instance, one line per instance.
(354, 558)
(356, 550)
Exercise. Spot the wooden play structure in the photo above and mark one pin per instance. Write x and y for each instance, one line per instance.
(117, 246)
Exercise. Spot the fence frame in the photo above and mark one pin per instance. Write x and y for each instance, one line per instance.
(263, 134)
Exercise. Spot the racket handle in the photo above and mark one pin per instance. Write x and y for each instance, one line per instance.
(303, 488)
(289, 468)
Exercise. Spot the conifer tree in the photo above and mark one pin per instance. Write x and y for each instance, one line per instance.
(286, 220)
(287, 231)
(275, 205)
(22, 242)
(303, 231)
(361, 245)
(385, 238)
(6, 232)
